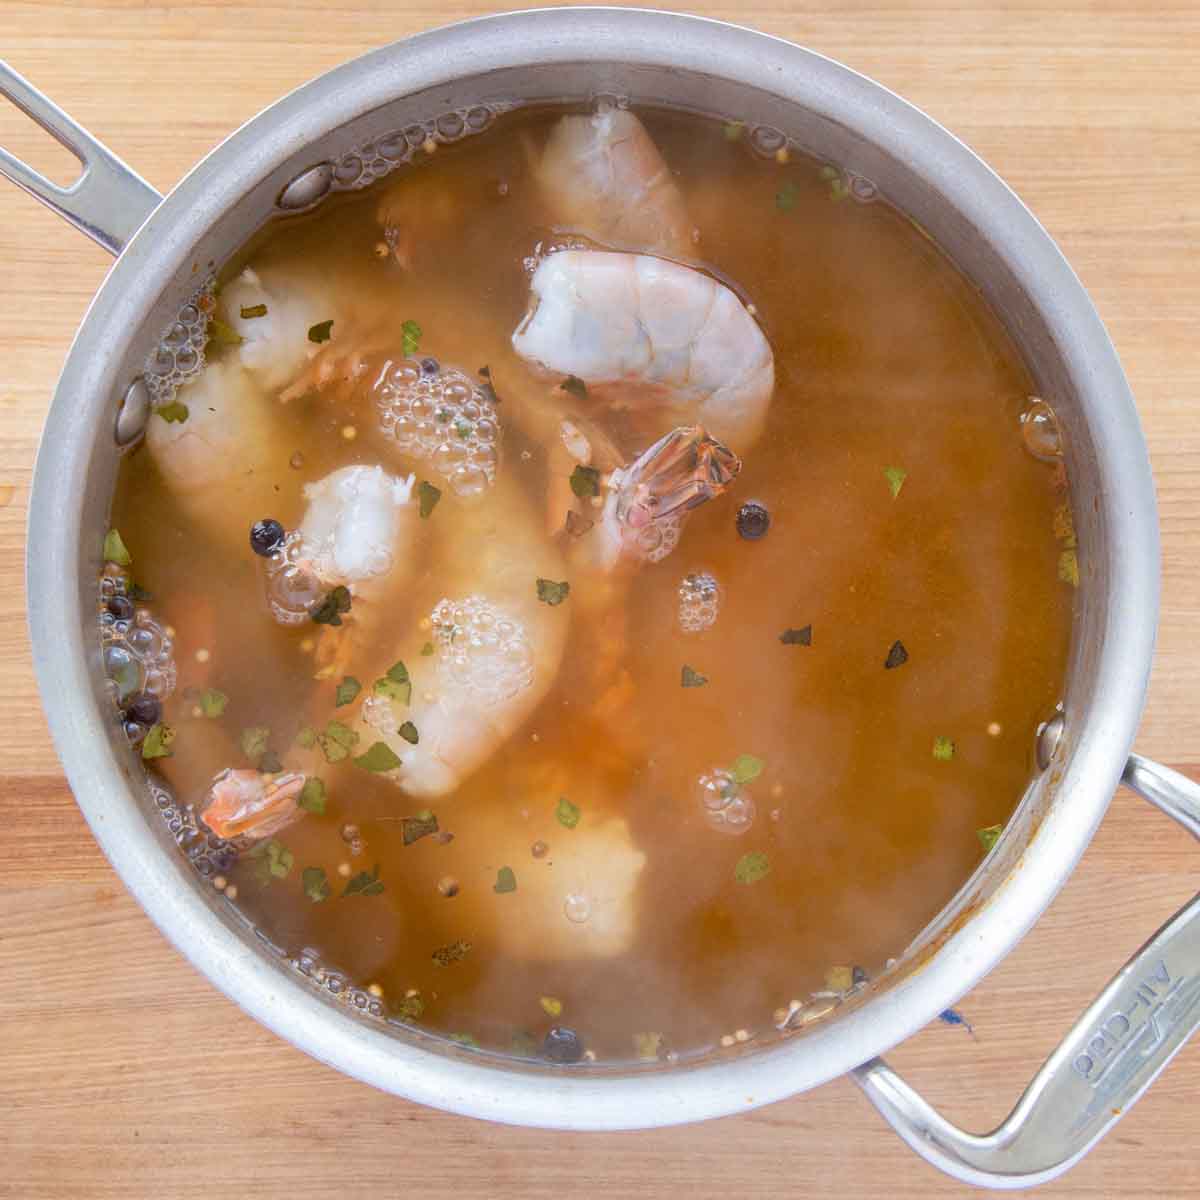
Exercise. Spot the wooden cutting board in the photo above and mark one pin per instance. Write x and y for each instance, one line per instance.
(125, 1074)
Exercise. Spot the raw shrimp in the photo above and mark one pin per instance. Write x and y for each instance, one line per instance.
(666, 344)
(603, 177)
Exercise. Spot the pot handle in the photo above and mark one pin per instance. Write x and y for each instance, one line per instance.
(108, 201)
(1139, 1023)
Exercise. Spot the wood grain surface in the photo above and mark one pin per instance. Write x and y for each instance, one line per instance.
(125, 1074)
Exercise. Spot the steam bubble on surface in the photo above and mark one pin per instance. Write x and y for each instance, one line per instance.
(137, 653)
(378, 714)
(179, 355)
(292, 585)
(728, 806)
(444, 418)
(577, 908)
(481, 650)
(208, 853)
(308, 963)
(1039, 430)
(699, 602)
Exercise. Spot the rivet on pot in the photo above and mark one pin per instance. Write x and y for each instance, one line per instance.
(1049, 737)
(133, 413)
(307, 188)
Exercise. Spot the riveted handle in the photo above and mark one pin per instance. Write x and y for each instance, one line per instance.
(108, 201)
(1139, 1023)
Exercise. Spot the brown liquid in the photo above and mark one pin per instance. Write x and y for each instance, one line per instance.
(885, 357)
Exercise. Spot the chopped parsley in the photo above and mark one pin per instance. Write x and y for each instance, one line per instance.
(443, 956)
(408, 731)
(752, 867)
(365, 883)
(943, 749)
(897, 656)
(322, 331)
(413, 829)
(552, 593)
(797, 637)
(379, 757)
(222, 334)
(427, 650)
(575, 387)
(785, 198)
(568, 814)
(989, 835)
(254, 741)
(427, 497)
(249, 312)
(316, 885)
(337, 741)
(346, 691)
(746, 767)
(410, 331)
(395, 685)
(270, 763)
(275, 861)
(895, 477)
(212, 702)
(114, 549)
(312, 796)
(552, 1006)
(585, 481)
(157, 742)
(506, 880)
(411, 1008)
(329, 611)
(306, 738)
(691, 678)
(174, 413)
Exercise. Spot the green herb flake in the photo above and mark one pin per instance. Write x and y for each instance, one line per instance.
(746, 767)
(895, 477)
(465, 1039)
(411, 1008)
(275, 861)
(444, 956)
(337, 741)
(312, 796)
(943, 749)
(838, 189)
(379, 757)
(577, 526)
(137, 593)
(989, 835)
(568, 814)
(692, 678)
(254, 741)
(574, 386)
(222, 334)
(647, 1045)
(897, 656)
(322, 331)
(329, 610)
(114, 549)
(585, 481)
(733, 130)
(270, 763)
(250, 312)
(797, 637)
(408, 731)
(316, 885)
(346, 691)
(306, 739)
(1068, 567)
(413, 829)
(552, 593)
(365, 883)
(410, 332)
(157, 742)
(174, 413)
(391, 690)
(752, 867)
(785, 198)
(828, 173)
(1064, 526)
(212, 702)
(427, 650)
(506, 881)
(427, 498)
(552, 1006)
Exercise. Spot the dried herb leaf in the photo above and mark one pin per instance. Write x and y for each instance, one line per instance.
(408, 731)
(647, 1045)
(114, 549)
(1064, 526)
(568, 814)
(585, 481)
(413, 829)
(378, 757)
(137, 593)
(174, 413)
(427, 650)
(552, 1006)
(838, 189)
(839, 979)
(410, 332)
(785, 198)
(248, 312)
(365, 883)
(312, 796)
(575, 386)
(316, 885)
(329, 610)
(427, 497)
(465, 1039)
(270, 763)
(691, 678)
(443, 956)
(897, 656)
(254, 741)
(752, 867)
(222, 334)
(733, 130)
(212, 702)
(797, 637)
(943, 749)
(337, 741)
(1068, 567)
(411, 1008)
(552, 593)
(346, 691)
(322, 331)
(895, 477)
(157, 742)
(989, 835)
(392, 690)
(576, 525)
(746, 767)
(306, 738)
(275, 861)
(506, 880)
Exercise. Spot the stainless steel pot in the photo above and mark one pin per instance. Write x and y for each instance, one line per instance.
(309, 143)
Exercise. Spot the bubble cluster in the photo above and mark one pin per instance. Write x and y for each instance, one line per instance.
(338, 985)
(541, 250)
(375, 159)
(699, 600)
(655, 540)
(378, 714)
(442, 416)
(727, 805)
(292, 585)
(179, 355)
(481, 651)
(136, 650)
(209, 854)
(1039, 430)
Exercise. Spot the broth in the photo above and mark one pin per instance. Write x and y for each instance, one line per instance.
(872, 682)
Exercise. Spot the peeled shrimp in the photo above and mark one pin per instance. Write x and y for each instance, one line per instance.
(246, 803)
(663, 342)
(603, 177)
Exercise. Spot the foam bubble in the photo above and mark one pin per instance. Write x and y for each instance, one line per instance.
(179, 355)
(137, 653)
(699, 601)
(292, 586)
(481, 650)
(728, 806)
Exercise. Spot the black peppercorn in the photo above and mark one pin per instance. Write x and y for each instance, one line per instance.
(266, 536)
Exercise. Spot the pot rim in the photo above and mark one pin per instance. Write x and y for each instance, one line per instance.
(451, 1080)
